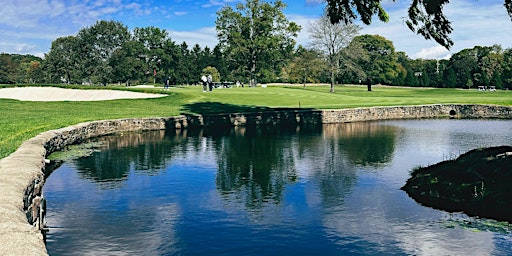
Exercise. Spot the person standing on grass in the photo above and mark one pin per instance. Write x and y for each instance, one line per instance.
(166, 87)
(205, 82)
(210, 82)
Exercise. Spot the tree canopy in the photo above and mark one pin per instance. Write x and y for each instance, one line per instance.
(254, 36)
(330, 39)
(425, 17)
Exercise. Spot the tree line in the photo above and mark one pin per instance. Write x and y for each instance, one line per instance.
(256, 44)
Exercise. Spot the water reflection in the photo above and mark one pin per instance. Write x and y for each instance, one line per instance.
(327, 190)
(364, 143)
(254, 163)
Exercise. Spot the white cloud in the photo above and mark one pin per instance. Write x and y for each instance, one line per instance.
(133, 6)
(214, 3)
(314, 2)
(436, 52)
(180, 13)
(20, 47)
(476, 24)
(33, 22)
(303, 37)
(206, 36)
(23, 14)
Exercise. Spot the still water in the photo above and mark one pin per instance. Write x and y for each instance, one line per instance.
(327, 190)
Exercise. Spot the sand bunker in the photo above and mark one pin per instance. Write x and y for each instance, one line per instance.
(61, 94)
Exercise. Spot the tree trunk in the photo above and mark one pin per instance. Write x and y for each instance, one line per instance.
(333, 77)
(252, 82)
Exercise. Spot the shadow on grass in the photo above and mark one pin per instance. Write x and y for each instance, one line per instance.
(219, 114)
(209, 108)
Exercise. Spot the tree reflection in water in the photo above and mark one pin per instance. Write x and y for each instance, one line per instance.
(254, 163)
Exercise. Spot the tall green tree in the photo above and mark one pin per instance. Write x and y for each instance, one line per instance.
(307, 66)
(255, 35)
(406, 77)
(127, 65)
(425, 17)
(465, 64)
(152, 54)
(219, 61)
(490, 66)
(506, 66)
(450, 78)
(382, 65)
(63, 58)
(330, 39)
(98, 44)
(171, 63)
(185, 65)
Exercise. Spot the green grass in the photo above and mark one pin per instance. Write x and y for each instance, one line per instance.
(22, 120)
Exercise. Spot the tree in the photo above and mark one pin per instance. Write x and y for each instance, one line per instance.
(490, 65)
(450, 78)
(98, 44)
(61, 60)
(209, 70)
(382, 65)
(127, 64)
(406, 76)
(7, 69)
(254, 36)
(425, 17)
(217, 58)
(306, 66)
(330, 39)
(352, 57)
(185, 65)
(464, 63)
(152, 40)
(507, 69)
(29, 72)
(171, 63)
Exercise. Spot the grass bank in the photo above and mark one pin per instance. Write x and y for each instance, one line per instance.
(23, 120)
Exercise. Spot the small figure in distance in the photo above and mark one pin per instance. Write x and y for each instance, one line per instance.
(210, 82)
(166, 86)
(205, 82)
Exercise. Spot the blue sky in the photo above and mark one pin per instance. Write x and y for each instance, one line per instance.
(29, 26)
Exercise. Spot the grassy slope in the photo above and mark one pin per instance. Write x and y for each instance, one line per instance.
(22, 120)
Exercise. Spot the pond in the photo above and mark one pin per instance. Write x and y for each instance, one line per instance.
(325, 190)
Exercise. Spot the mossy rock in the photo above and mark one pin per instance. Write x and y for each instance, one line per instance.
(476, 183)
(76, 151)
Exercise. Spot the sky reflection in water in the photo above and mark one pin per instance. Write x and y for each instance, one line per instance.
(327, 190)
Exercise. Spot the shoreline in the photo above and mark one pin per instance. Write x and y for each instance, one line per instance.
(22, 172)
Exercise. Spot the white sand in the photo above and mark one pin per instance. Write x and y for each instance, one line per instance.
(61, 94)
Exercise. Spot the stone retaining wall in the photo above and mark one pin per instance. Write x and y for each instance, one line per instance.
(22, 173)
(414, 112)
